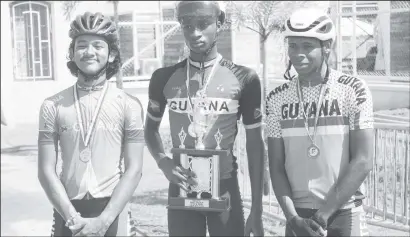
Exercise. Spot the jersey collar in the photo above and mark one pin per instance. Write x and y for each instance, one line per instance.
(206, 64)
(97, 87)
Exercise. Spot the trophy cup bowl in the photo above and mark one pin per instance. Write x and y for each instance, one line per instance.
(200, 128)
(205, 163)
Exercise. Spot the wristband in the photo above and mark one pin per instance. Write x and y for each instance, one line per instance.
(70, 221)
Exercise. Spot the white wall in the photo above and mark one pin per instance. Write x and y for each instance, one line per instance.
(21, 101)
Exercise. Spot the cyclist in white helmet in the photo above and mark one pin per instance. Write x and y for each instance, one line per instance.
(320, 129)
(233, 91)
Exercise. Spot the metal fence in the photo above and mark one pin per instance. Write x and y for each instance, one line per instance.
(386, 187)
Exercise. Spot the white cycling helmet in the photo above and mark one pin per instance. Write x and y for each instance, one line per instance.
(310, 23)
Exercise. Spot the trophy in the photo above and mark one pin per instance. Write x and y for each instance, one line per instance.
(204, 162)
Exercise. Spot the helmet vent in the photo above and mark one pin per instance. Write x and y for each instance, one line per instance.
(325, 29)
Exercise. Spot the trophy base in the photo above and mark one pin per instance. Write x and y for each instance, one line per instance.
(195, 204)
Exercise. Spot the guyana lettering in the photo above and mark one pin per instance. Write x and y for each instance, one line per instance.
(213, 106)
(278, 89)
(357, 86)
(292, 111)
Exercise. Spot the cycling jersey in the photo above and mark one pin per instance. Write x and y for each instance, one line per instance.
(120, 121)
(347, 106)
(233, 91)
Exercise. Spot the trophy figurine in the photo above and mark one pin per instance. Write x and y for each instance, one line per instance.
(204, 162)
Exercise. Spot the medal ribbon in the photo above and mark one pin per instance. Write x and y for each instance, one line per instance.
(210, 76)
(86, 137)
(318, 106)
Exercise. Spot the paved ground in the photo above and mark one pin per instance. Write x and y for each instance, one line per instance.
(25, 210)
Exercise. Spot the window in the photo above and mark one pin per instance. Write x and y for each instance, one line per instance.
(31, 38)
(375, 39)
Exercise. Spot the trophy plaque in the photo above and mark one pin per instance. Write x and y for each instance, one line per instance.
(204, 196)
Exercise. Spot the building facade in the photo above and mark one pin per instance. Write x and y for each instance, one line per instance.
(35, 44)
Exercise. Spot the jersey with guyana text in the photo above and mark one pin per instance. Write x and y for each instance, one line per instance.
(233, 91)
(347, 105)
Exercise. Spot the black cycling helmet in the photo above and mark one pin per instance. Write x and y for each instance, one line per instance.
(193, 9)
(95, 24)
(200, 8)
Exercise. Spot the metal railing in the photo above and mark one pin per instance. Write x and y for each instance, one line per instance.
(387, 187)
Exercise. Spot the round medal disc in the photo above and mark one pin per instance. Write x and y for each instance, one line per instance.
(313, 151)
(191, 130)
(85, 155)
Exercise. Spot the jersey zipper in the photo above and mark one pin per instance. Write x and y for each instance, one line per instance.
(202, 73)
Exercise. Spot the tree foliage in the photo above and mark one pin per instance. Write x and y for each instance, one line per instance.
(262, 17)
(68, 8)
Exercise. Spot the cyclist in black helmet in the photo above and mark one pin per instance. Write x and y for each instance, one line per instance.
(99, 129)
(231, 91)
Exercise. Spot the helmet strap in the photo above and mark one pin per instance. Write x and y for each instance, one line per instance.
(208, 51)
(325, 57)
(287, 75)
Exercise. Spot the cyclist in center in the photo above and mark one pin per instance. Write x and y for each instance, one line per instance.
(234, 92)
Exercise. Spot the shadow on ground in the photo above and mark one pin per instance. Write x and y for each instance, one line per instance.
(158, 197)
(23, 150)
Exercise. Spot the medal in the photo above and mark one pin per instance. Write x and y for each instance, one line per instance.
(85, 155)
(313, 151)
(200, 102)
(191, 130)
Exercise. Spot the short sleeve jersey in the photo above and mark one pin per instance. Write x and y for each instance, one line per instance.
(347, 105)
(120, 121)
(233, 92)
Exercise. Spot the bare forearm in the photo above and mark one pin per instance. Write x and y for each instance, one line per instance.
(345, 187)
(57, 195)
(154, 144)
(121, 195)
(255, 166)
(283, 192)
